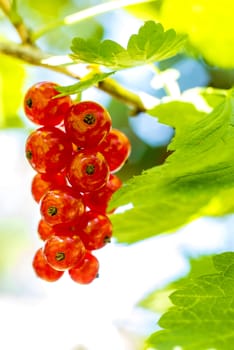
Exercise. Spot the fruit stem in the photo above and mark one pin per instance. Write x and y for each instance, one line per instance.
(60, 256)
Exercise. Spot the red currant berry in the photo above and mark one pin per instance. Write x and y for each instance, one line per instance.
(87, 271)
(87, 123)
(43, 269)
(61, 206)
(63, 252)
(40, 106)
(98, 200)
(88, 171)
(48, 150)
(116, 148)
(69, 229)
(95, 230)
(41, 183)
(45, 230)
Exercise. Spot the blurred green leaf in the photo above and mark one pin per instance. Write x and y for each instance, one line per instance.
(48, 16)
(208, 24)
(12, 243)
(146, 11)
(12, 76)
(203, 313)
(196, 180)
(151, 44)
(36, 13)
(88, 29)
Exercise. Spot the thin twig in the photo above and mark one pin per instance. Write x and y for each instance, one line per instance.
(5, 6)
(17, 21)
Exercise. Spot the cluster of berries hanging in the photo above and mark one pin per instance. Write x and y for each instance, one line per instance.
(75, 153)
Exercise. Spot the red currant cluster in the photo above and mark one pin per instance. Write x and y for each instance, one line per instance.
(75, 153)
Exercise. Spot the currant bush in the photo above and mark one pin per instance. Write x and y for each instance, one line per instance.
(74, 153)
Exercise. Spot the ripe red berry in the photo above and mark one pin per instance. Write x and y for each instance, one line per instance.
(45, 230)
(43, 269)
(74, 153)
(63, 252)
(61, 206)
(116, 148)
(98, 200)
(69, 229)
(41, 183)
(42, 108)
(95, 230)
(48, 150)
(86, 272)
(88, 171)
(87, 123)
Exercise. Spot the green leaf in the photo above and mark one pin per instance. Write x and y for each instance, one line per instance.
(196, 180)
(158, 300)
(203, 313)
(83, 84)
(151, 44)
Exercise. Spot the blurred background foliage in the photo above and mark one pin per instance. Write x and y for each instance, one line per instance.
(204, 22)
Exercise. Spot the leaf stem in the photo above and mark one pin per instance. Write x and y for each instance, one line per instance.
(33, 55)
(118, 91)
(84, 14)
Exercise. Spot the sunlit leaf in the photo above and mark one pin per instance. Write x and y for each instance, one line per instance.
(151, 44)
(203, 313)
(196, 180)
